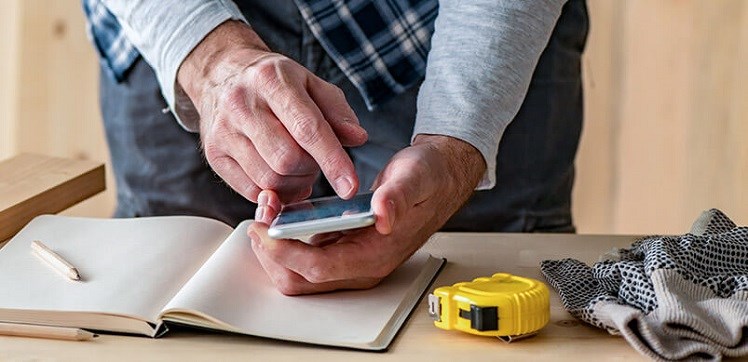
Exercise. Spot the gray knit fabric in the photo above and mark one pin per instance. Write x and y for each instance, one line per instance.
(671, 297)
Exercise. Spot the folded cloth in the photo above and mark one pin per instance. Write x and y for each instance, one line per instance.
(671, 297)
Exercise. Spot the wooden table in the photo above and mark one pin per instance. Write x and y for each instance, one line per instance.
(469, 256)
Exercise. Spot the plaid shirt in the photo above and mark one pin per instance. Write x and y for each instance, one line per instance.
(380, 45)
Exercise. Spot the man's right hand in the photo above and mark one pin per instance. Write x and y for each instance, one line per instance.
(266, 122)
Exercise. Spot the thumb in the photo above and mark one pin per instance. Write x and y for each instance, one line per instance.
(268, 206)
(398, 188)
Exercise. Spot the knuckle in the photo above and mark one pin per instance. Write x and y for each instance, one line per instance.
(330, 162)
(220, 128)
(251, 192)
(371, 283)
(306, 130)
(421, 168)
(295, 195)
(286, 286)
(214, 154)
(338, 91)
(304, 194)
(270, 73)
(240, 105)
(318, 274)
(286, 161)
(266, 71)
(234, 99)
(269, 180)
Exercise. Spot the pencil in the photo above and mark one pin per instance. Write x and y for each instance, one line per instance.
(54, 260)
(37, 331)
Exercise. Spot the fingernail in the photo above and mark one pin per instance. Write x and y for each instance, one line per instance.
(260, 213)
(262, 198)
(343, 186)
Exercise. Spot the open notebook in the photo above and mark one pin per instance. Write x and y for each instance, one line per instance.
(139, 273)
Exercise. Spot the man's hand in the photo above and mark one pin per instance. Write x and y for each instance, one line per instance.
(416, 193)
(266, 122)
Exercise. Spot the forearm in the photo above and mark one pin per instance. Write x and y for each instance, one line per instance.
(482, 57)
(165, 32)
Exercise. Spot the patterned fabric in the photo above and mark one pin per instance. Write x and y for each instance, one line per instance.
(115, 51)
(671, 297)
(381, 45)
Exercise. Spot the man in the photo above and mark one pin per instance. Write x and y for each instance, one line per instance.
(283, 91)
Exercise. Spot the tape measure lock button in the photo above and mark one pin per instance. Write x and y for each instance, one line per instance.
(503, 305)
(483, 318)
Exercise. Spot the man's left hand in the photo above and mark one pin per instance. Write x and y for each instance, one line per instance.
(417, 192)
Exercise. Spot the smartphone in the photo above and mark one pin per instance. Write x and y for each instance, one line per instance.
(322, 215)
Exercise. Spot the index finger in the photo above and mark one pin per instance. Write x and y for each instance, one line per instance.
(306, 124)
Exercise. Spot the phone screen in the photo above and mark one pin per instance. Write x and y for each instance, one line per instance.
(322, 215)
(323, 208)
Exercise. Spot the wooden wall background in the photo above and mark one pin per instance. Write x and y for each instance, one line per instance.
(666, 91)
(48, 89)
(667, 115)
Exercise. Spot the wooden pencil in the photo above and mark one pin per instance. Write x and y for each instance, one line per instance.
(38, 331)
(54, 260)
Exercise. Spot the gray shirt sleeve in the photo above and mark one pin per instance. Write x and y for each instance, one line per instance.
(165, 32)
(483, 54)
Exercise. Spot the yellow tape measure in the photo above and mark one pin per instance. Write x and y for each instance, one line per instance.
(503, 305)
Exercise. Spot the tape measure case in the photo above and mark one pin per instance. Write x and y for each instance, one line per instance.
(503, 305)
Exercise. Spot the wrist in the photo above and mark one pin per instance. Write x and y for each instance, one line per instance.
(215, 58)
(464, 161)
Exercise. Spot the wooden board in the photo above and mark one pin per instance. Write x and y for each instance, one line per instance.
(31, 185)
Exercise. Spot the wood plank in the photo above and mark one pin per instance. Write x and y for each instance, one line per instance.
(32, 185)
